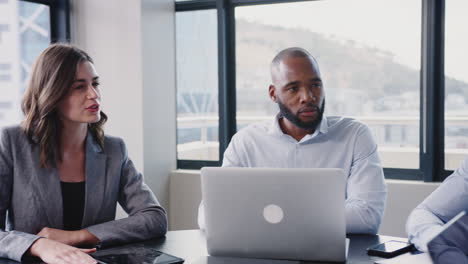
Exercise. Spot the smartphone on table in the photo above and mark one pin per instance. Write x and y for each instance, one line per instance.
(390, 249)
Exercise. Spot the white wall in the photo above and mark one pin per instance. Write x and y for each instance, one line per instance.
(159, 94)
(185, 197)
(132, 44)
(403, 196)
(109, 30)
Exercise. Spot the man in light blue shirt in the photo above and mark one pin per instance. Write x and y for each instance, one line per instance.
(449, 199)
(300, 136)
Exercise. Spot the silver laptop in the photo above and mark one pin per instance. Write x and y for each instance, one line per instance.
(291, 214)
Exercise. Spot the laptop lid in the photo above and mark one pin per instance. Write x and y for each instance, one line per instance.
(449, 244)
(295, 214)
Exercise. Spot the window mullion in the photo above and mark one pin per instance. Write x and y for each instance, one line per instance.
(432, 91)
(227, 75)
(60, 21)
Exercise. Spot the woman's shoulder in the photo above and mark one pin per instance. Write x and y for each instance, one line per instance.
(113, 144)
(13, 133)
(112, 140)
(12, 129)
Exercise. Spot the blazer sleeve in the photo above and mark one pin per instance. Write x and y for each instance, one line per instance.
(13, 244)
(146, 218)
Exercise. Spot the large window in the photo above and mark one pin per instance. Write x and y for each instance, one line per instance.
(25, 30)
(456, 83)
(381, 62)
(197, 85)
(370, 71)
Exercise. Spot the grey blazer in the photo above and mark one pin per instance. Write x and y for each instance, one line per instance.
(31, 198)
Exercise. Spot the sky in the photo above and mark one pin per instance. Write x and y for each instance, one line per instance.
(393, 26)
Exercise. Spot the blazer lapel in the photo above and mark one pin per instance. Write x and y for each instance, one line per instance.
(50, 192)
(95, 169)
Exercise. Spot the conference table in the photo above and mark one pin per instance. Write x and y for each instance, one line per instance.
(191, 246)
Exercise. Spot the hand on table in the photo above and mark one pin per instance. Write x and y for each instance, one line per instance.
(51, 251)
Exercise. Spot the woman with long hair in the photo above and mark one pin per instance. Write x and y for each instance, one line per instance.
(61, 176)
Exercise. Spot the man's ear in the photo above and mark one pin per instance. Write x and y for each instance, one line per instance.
(272, 93)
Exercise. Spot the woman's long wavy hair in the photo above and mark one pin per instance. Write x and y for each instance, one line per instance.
(51, 80)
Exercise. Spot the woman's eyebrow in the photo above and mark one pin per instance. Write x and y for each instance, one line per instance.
(84, 80)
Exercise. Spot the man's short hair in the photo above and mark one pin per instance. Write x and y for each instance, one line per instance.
(293, 52)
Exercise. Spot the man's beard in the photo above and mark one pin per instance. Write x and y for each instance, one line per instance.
(311, 125)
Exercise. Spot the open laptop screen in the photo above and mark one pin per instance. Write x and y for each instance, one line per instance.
(451, 244)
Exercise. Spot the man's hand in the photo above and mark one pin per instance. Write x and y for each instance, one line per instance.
(72, 238)
(55, 252)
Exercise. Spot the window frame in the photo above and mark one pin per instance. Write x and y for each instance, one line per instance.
(432, 86)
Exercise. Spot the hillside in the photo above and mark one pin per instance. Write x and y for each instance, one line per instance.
(365, 73)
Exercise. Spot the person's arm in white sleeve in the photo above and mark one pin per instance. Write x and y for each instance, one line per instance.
(450, 198)
(366, 191)
(231, 159)
(421, 227)
(233, 154)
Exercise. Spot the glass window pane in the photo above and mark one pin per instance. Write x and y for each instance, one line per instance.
(456, 83)
(24, 33)
(197, 85)
(369, 61)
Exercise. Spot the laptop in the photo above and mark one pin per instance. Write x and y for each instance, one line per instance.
(449, 244)
(271, 213)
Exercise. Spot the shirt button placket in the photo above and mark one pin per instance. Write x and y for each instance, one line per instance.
(296, 154)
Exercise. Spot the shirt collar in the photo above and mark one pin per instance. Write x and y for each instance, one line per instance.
(275, 128)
